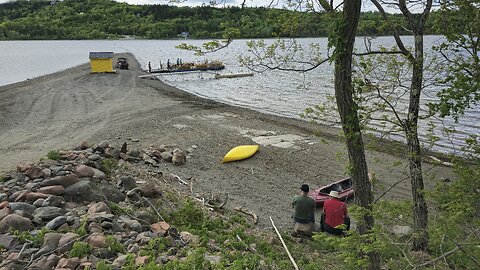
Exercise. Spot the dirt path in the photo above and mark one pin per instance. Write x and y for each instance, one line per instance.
(60, 110)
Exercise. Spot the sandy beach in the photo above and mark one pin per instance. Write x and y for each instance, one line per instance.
(58, 111)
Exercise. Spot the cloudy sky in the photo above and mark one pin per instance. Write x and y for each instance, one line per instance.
(252, 3)
(367, 6)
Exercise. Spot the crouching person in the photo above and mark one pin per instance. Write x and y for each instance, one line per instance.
(334, 218)
(304, 215)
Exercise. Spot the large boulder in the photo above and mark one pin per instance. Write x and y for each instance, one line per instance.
(64, 181)
(111, 191)
(15, 222)
(84, 191)
(48, 213)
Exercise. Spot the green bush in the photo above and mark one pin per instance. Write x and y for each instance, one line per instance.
(80, 249)
(54, 155)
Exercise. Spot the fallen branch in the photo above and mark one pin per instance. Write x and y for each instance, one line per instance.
(32, 259)
(284, 245)
(436, 259)
(250, 213)
(176, 177)
(153, 207)
(444, 163)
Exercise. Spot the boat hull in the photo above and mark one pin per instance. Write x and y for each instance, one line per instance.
(344, 188)
(240, 153)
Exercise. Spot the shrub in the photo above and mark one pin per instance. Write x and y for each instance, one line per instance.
(80, 249)
(53, 155)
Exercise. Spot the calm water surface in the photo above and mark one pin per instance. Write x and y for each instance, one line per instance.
(275, 92)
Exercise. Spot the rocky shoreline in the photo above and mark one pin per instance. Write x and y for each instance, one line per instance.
(89, 204)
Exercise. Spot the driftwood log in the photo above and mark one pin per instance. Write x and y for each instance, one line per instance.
(248, 212)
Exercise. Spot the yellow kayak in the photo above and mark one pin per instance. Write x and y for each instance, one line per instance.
(240, 152)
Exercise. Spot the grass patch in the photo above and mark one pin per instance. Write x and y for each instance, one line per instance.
(54, 155)
(109, 165)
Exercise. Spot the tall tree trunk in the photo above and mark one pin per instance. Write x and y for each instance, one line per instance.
(350, 122)
(420, 211)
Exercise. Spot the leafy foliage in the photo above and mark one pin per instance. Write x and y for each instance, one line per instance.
(101, 19)
(53, 155)
(459, 23)
(80, 249)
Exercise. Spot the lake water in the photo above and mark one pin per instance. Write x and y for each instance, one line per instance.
(274, 92)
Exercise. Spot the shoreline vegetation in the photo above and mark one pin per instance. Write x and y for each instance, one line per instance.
(104, 19)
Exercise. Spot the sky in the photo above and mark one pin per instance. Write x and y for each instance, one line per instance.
(251, 3)
(367, 5)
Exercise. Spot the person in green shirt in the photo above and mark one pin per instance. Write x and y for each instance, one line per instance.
(304, 206)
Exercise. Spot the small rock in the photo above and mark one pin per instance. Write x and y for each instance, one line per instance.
(66, 242)
(35, 172)
(179, 157)
(82, 145)
(167, 156)
(112, 193)
(70, 263)
(148, 159)
(94, 157)
(143, 238)
(45, 263)
(115, 153)
(127, 183)
(65, 181)
(53, 200)
(38, 203)
(47, 172)
(141, 260)
(103, 253)
(3, 197)
(19, 196)
(4, 204)
(103, 144)
(8, 241)
(160, 227)
(5, 212)
(134, 153)
(32, 185)
(84, 171)
(147, 216)
(401, 231)
(33, 196)
(53, 190)
(16, 222)
(97, 240)
(23, 214)
(99, 207)
(48, 212)
(150, 190)
(99, 174)
(119, 261)
(134, 225)
(56, 223)
(21, 206)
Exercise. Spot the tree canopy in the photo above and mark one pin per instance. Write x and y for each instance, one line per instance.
(103, 19)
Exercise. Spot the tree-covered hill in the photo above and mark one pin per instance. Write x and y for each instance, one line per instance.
(101, 19)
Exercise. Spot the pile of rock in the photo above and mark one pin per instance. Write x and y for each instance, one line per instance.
(72, 198)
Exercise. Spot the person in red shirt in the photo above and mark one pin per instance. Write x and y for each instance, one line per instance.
(334, 214)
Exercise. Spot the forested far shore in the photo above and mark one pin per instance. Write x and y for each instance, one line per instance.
(106, 19)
